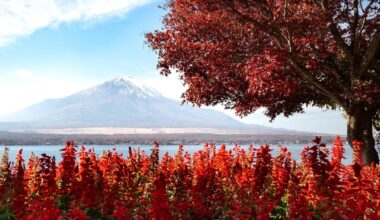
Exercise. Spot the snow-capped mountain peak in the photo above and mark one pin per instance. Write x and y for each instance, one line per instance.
(122, 86)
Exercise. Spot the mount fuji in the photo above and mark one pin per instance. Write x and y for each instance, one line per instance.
(124, 103)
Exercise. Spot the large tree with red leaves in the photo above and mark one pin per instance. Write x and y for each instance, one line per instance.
(282, 55)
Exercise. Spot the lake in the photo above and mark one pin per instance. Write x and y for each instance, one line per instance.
(295, 150)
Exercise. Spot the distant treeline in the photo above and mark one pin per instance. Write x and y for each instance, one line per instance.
(8, 139)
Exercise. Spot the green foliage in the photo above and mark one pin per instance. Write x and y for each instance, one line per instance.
(93, 213)
(64, 202)
(6, 214)
(280, 211)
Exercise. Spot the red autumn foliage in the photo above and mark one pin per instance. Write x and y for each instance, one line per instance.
(19, 191)
(214, 183)
(281, 55)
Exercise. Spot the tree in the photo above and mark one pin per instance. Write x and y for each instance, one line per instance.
(282, 55)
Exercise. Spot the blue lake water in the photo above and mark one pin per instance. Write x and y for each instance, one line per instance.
(294, 149)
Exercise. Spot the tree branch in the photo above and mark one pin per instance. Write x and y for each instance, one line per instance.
(337, 36)
(306, 75)
(365, 12)
(373, 48)
(285, 8)
(354, 26)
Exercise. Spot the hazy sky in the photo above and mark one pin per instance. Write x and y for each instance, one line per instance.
(53, 48)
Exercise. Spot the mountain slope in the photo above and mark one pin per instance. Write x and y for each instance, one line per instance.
(121, 103)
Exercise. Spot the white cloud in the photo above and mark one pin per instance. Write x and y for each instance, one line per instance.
(24, 74)
(23, 17)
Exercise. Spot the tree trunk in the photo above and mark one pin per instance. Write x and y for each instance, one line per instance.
(359, 127)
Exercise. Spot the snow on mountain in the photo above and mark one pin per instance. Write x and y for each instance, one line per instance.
(122, 86)
(122, 103)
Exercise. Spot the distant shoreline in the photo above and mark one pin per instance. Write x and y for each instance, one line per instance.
(28, 139)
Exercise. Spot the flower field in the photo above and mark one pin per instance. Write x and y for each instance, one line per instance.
(210, 184)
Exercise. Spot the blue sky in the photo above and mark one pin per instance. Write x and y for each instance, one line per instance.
(87, 49)
(50, 50)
